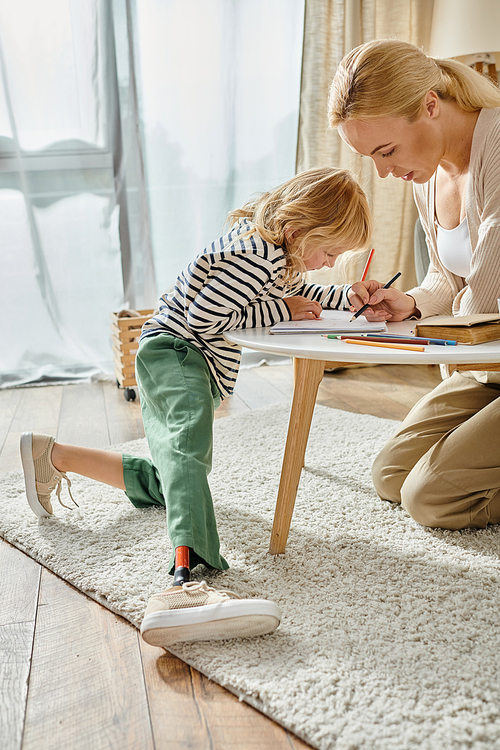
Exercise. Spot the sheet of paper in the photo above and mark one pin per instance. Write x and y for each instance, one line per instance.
(331, 321)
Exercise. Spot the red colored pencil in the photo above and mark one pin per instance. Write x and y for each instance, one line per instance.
(363, 277)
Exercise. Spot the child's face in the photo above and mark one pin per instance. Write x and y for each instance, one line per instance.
(323, 257)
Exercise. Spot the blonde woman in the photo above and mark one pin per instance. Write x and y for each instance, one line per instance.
(435, 123)
(249, 277)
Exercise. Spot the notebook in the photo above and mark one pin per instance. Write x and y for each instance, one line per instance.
(331, 321)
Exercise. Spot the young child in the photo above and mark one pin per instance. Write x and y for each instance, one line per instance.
(250, 277)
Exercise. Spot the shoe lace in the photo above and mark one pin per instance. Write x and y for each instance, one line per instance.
(190, 587)
(58, 487)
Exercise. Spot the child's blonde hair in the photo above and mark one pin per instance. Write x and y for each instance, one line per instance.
(390, 78)
(326, 206)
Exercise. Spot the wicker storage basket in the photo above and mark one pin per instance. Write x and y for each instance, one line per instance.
(126, 328)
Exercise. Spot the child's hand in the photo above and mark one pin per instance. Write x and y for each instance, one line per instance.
(385, 304)
(302, 308)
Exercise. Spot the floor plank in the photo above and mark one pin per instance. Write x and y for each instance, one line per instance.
(16, 642)
(256, 391)
(123, 417)
(387, 391)
(175, 716)
(244, 728)
(231, 406)
(83, 419)
(280, 376)
(207, 717)
(9, 403)
(37, 411)
(353, 399)
(75, 699)
(19, 585)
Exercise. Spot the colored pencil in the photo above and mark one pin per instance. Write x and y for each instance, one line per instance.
(413, 339)
(367, 265)
(408, 347)
(393, 339)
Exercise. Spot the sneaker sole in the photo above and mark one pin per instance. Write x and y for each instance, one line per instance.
(211, 622)
(29, 475)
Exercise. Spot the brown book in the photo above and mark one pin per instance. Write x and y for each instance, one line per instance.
(465, 329)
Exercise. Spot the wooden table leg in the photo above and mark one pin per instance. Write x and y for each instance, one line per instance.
(308, 375)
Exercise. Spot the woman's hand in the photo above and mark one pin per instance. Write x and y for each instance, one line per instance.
(302, 308)
(385, 304)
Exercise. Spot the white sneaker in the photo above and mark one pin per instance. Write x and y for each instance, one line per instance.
(40, 475)
(197, 612)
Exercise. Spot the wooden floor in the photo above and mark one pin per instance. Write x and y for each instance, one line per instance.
(74, 675)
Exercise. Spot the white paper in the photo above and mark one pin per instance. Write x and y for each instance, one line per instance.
(331, 321)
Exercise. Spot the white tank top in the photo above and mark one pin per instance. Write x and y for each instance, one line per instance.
(454, 248)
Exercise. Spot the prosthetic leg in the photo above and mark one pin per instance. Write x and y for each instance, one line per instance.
(182, 573)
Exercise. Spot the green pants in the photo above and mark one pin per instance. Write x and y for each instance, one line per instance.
(178, 398)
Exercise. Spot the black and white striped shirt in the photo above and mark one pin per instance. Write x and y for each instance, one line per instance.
(235, 283)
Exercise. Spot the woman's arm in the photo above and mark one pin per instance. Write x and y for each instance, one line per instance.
(385, 304)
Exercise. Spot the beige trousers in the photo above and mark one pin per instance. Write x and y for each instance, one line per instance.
(443, 465)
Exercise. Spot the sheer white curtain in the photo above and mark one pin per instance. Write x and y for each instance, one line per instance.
(61, 268)
(128, 130)
(219, 85)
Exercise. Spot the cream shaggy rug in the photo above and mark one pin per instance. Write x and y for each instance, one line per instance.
(390, 638)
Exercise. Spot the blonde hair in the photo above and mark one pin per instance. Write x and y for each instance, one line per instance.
(390, 78)
(326, 206)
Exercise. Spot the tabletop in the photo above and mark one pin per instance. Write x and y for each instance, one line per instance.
(315, 346)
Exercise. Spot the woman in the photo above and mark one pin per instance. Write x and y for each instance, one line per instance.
(435, 123)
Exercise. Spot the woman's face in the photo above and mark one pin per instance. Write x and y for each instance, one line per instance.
(407, 150)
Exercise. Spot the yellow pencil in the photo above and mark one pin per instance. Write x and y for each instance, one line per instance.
(410, 347)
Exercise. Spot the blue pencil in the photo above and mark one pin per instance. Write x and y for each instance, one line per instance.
(397, 337)
(417, 339)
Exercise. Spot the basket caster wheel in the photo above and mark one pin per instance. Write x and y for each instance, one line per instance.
(129, 394)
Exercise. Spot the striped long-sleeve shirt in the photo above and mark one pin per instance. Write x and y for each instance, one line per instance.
(235, 283)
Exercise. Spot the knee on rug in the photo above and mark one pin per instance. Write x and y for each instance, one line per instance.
(424, 497)
(387, 477)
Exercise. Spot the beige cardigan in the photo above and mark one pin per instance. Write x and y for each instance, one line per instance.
(441, 292)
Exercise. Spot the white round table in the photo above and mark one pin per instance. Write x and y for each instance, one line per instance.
(314, 346)
(310, 353)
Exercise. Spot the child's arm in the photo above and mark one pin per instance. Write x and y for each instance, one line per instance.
(330, 296)
(302, 308)
(229, 300)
